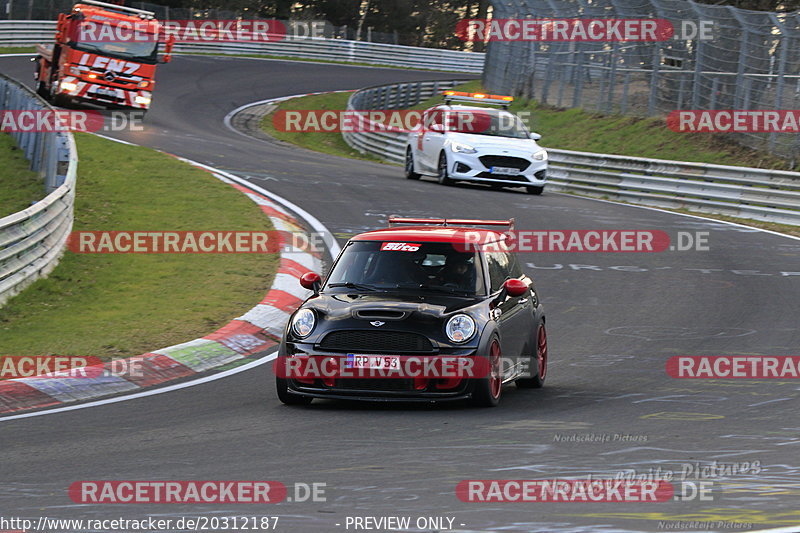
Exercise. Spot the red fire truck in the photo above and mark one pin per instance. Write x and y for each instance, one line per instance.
(104, 54)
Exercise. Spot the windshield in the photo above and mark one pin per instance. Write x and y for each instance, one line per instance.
(144, 48)
(487, 122)
(427, 267)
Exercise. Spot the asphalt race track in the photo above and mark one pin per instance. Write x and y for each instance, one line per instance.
(613, 321)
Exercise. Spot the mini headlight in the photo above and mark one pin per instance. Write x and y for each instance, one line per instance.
(462, 148)
(541, 155)
(460, 328)
(303, 323)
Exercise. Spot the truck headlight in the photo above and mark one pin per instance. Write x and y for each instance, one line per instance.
(68, 86)
(142, 100)
(541, 155)
(303, 323)
(462, 148)
(460, 328)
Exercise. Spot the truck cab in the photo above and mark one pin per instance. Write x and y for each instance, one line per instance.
(103, 54)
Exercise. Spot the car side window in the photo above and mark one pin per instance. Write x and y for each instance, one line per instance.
(514, 268)
(498, 269)
(431, 117)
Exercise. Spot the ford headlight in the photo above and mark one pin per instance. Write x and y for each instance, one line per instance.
(303, 323)
(541, 155)
(460, 328)
(462, 148)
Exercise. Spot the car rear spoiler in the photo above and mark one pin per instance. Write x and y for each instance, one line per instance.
(394, 219)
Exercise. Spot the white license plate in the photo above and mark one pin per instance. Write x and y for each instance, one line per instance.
(505, 170)
(373, 362)
(106, 92)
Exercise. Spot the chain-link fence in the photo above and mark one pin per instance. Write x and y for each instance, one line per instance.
(751, 61)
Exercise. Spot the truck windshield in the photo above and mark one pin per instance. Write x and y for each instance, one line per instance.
(408, 266)
(141, 47)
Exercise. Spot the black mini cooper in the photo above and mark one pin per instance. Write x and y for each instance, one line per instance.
(434, 310)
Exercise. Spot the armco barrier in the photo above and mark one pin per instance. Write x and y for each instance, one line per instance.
(26, 33)
(758, 194)
(32, 240)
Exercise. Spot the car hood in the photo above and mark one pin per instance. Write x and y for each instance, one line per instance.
(488, 141)
(365, 305)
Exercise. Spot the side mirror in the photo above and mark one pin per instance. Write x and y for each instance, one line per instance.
(311, 281)
(515, 287)
(535, 136)
(438, 128)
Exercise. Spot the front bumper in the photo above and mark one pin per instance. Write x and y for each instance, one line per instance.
(478, 168)
(387, 389)
(78, 89)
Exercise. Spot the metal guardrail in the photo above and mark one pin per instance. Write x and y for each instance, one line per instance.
(758, 194)
(26, 33)
(32, 240)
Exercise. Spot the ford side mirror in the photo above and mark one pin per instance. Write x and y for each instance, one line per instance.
(535, 136)
(311, 281)
(515, 287)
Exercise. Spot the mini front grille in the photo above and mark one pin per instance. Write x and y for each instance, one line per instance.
(490, 161)
(367, 341)
(379, 384)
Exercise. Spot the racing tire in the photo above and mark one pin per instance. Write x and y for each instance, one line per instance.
(409, 166)
(442, 176)
(289, 398)
(59, 100)
(41, 90)
(535, 190)
(488, 389)
(538, 363)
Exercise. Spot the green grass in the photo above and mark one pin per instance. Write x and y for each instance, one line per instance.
(19, 186)
(328, 143)
(126, 304)
(17, 49)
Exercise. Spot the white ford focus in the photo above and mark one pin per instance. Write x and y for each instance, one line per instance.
(478, 144)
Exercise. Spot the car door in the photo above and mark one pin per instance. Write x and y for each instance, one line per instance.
(510, 312)
(431, 138)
